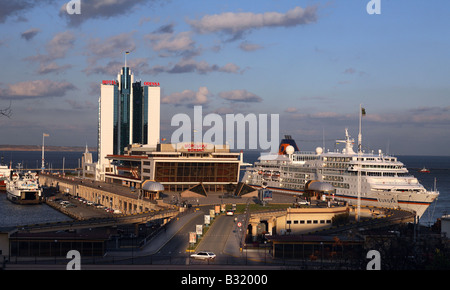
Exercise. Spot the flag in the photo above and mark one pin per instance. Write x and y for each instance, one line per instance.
(127, 52)
(46, 135)
(363, 111)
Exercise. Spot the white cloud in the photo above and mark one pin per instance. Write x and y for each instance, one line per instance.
(112, 47)
(103, 9)
(36, 89)
(245, 46)
(237, 23)
(52, 67)
(188, 98)
(19, 7)
(112, 68)
(415, 116)
(191, 65)
(240, 96)
(291, 110)
(172, 43)
(57, 48)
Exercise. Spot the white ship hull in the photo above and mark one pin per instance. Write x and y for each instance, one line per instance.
(417, 203)
(24, 197)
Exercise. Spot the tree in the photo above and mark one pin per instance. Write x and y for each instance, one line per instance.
(6, 111)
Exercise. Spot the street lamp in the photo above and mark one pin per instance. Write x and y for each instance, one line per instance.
(43, 162)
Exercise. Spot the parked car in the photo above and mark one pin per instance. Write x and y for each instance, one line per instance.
(303, 202)
(204, 256)
(230, 212)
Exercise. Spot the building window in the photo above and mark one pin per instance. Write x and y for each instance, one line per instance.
(196, 172)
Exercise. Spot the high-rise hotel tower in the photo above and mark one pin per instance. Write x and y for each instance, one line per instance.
(129, 113)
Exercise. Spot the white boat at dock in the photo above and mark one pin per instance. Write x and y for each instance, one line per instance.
(23, 188)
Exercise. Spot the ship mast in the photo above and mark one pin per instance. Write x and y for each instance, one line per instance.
(361, 110)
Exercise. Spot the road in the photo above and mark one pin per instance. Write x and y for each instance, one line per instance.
(215, 240)
(180, 242)
(216, 237)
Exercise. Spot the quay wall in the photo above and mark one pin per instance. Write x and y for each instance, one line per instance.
(122, 199)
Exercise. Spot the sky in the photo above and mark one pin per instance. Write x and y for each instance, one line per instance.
(312, 63)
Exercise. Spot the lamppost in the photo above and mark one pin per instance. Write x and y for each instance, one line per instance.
(265, 251)
(43, 159)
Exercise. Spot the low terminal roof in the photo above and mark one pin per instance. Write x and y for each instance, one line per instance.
(320, 186)
(150, 185)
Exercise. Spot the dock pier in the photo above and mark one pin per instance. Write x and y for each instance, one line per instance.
(124, 200)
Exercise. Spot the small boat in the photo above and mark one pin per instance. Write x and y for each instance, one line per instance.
(424, 170)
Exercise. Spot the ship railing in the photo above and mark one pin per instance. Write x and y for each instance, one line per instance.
(305, 153)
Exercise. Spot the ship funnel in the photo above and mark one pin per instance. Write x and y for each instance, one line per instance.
(285, 143)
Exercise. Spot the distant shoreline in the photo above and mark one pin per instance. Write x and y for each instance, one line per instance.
(47, 148)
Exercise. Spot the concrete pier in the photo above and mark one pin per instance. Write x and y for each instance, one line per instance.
(122, 199)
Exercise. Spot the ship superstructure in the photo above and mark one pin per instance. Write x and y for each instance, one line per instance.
(371, 179)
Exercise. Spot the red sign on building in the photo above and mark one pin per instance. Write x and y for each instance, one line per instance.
(151, 84)
(109, 82)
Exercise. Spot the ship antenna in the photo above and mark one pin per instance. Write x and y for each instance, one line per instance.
(323, 139)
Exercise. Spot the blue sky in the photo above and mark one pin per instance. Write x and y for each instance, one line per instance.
(311, 62)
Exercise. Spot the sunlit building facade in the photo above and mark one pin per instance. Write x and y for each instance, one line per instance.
(129, 113)
(177, 166)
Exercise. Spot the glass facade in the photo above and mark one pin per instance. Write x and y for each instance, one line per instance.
(127, 130)
(196, 172)
(116, 121)
(140, 114)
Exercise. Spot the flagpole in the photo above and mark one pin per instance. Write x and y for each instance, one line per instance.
(126, 52)
(359, 164)
(43, 159)
(42, 166)
(360, 135)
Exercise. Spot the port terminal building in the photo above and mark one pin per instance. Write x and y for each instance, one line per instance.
(178, 167)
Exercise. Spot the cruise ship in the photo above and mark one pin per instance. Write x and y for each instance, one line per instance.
(24, 189)
(367, 179)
